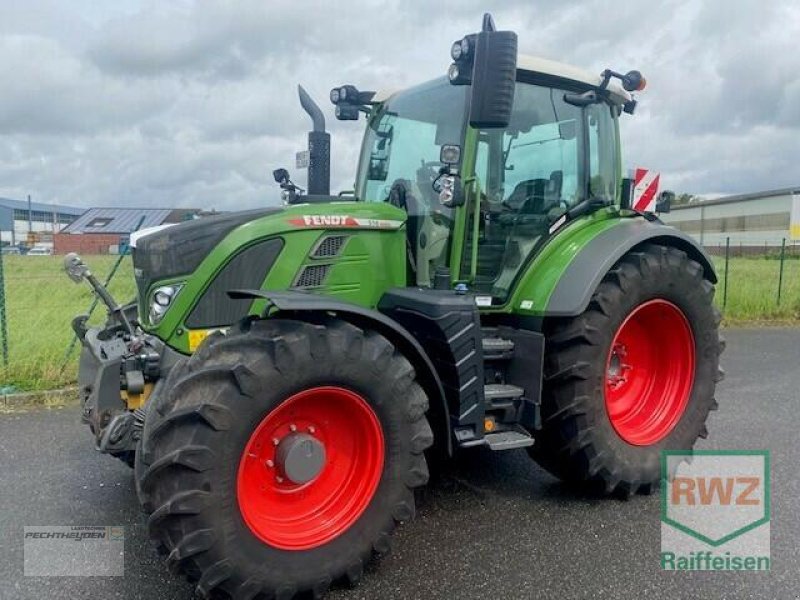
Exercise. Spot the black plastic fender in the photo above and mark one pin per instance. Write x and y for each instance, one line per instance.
(574, 290)
(287, 302)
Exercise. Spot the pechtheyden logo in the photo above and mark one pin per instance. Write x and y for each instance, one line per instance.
(715, 510)
(70, 550)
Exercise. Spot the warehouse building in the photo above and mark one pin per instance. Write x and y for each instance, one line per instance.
(752, 222)
(107, 230)
(20, 218)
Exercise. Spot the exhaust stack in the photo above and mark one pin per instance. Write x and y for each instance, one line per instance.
(319, 147)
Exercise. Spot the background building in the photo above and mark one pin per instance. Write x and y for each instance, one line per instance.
(753, 222)
(18, 218)
(104, 230)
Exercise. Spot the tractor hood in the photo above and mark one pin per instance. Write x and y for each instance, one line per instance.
(179, 249)
(348, 249)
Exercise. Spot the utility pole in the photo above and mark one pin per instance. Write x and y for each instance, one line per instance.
(30, 218)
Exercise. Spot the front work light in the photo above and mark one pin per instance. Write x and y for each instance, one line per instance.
(160, 302)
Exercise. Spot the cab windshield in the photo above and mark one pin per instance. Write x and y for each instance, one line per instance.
(400, 161)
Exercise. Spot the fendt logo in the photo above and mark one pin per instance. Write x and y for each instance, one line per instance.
(332, 221)
(715, 510)
(324, 221)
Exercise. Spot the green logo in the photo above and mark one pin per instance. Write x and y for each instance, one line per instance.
(711, 501)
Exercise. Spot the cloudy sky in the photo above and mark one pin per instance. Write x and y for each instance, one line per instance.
(153, 103)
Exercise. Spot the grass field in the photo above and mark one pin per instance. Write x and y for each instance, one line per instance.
(753, 290)
(41, 303)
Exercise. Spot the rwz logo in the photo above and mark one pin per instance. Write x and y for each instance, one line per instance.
(715, 510)
(719, 490)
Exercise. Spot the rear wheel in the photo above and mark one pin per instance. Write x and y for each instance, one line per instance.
(633, 375)
(280, 458)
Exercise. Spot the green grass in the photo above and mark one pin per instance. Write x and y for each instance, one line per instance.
(753, 290)
(41, 303)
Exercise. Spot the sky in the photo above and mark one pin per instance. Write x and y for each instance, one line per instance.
(166, 104)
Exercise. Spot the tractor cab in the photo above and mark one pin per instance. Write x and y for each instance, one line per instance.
(489, 170)
(520, 181)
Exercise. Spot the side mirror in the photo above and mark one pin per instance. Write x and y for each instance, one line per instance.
(281, 175)
(493, 77)
(488, 61)
(664, 201)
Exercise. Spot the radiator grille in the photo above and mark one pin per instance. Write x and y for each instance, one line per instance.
(330, 246)
(312, 276)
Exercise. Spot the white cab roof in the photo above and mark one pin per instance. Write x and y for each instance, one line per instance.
(554, 68)
(545, 66)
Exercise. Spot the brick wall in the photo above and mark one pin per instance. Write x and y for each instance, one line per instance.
(85, 243)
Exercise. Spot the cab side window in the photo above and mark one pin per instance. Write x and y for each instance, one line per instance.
(546, 161)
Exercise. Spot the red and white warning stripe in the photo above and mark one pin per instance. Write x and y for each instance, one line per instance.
(334, 221)
(645, 189)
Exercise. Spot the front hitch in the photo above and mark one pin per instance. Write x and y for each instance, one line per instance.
(119, 371)
(78, 271)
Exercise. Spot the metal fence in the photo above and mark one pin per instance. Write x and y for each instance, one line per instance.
(37, 305)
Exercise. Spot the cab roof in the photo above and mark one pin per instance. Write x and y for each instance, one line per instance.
(544, 66)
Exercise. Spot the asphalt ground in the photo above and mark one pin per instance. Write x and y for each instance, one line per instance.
(494, 526)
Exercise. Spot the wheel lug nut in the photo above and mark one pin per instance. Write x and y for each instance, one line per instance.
(275, 441)
(312, 429)
(293, 427)
(279, 479)
(270, 463)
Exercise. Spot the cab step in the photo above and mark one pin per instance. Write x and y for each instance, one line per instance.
(501, 391)
(497, 348)
(508, 440)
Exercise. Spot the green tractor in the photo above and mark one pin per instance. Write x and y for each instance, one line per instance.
(287, 374)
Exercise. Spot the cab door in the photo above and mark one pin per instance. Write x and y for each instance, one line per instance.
(552, 156)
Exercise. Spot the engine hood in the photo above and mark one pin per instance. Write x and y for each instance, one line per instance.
(178, 249)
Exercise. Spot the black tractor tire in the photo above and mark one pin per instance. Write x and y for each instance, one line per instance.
(578, 442)
(199, 427)
(128, 457)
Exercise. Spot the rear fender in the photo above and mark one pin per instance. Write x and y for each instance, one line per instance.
(571, 295)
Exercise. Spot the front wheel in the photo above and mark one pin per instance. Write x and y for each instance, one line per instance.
(281, 457)
(633, 375)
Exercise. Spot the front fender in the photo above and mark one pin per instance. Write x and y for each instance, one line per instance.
(285, 303)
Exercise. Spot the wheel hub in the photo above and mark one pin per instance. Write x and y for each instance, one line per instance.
(300, 457)
(618, 367)
(310, 468)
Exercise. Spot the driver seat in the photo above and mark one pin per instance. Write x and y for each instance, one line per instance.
(536, 196)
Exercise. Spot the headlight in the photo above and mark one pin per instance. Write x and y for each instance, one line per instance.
(160, 301)
(453, 72)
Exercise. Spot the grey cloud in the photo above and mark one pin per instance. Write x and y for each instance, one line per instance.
(193, 104)
(49, 90)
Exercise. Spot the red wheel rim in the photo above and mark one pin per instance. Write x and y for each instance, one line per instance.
(649, 372)
(302, 515)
